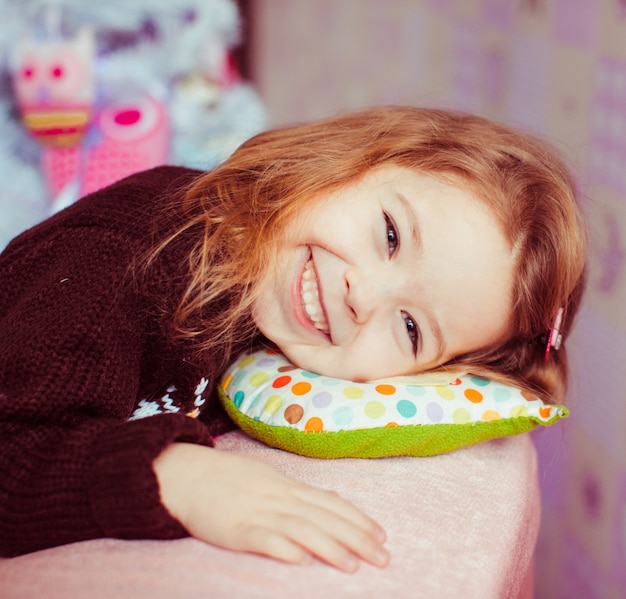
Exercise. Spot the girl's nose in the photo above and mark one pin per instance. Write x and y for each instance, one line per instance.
(364, 292)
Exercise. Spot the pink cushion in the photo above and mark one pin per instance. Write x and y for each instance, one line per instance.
(462, 524)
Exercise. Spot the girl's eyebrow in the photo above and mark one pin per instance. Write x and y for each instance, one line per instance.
(410, 217)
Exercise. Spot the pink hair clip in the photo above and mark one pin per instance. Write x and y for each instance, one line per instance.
(555, 338)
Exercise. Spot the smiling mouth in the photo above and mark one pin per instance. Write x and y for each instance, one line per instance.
(310, 295)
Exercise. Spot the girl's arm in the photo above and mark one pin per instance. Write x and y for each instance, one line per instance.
(71, 341)
(90, 479)
(246, 505)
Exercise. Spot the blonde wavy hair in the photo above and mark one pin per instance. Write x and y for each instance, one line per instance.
(238, 210)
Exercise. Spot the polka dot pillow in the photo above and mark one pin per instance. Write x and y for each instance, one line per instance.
(305, 413)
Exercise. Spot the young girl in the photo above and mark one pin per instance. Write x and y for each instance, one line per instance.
(387, 242)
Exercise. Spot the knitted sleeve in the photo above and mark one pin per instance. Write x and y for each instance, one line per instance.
(72, 333)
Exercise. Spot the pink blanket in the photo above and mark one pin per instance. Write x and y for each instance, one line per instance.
(459, 525)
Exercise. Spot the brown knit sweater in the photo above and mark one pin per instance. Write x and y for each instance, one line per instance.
(83, 361)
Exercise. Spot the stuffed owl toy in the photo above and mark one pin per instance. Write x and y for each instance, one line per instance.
(54, 87)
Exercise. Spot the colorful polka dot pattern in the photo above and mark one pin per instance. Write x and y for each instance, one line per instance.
(266, 387)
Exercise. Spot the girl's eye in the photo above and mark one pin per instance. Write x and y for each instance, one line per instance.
(412, 331)
(392, 236)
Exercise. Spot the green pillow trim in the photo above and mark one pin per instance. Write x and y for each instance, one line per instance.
(324, 417)
(417, 440)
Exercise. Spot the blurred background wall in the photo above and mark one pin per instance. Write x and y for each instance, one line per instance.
(558, 69)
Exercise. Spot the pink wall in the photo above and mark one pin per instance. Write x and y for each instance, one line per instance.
(558, 68)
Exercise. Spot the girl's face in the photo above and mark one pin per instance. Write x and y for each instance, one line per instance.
(392, 275)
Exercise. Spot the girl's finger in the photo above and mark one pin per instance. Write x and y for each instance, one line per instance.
(272, 543)
(326, 533)
(333, 502)
(316, 541)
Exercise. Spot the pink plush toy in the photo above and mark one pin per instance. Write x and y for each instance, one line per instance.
(128, 136)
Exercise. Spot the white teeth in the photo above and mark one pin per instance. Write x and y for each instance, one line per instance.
(310, 295)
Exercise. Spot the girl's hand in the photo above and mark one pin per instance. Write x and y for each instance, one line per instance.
(243, 504)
